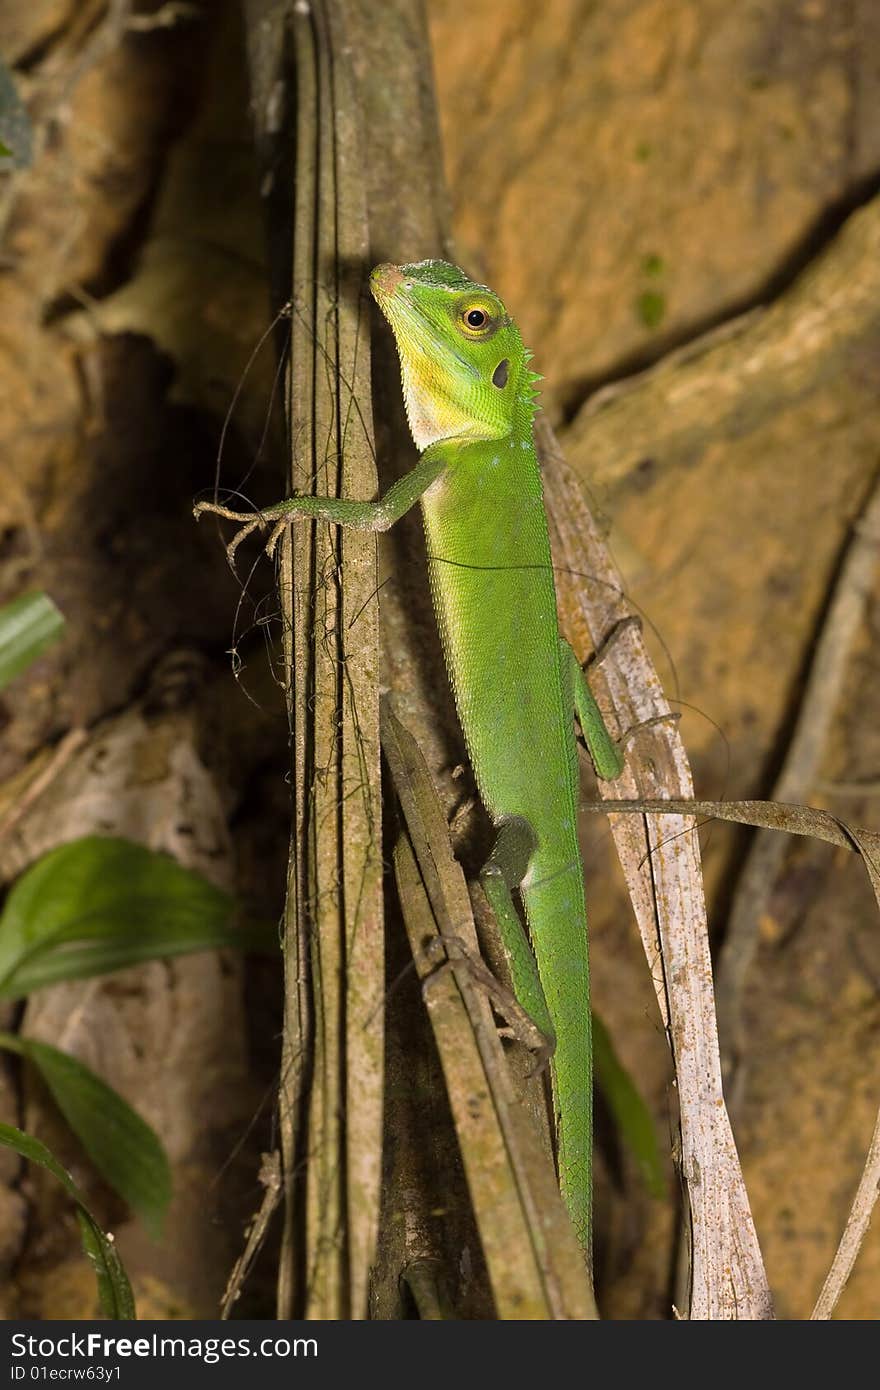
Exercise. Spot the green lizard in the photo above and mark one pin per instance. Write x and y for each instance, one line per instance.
(470, 400)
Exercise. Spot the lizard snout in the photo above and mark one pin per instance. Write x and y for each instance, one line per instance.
(384, 280)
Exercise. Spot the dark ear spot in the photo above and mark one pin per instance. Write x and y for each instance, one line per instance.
(499, 376)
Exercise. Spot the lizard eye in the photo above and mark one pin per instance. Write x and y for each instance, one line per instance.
(475, 318)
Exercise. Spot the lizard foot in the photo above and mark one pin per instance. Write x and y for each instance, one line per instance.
(248, 524)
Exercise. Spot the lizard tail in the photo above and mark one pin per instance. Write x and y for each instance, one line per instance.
(556, 914)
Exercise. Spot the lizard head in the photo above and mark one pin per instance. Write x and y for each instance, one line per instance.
(462, 360)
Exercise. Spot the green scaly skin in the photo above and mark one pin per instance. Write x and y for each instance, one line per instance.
(470, 401)
(492, 584)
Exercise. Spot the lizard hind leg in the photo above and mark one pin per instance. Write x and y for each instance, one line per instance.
(503, 872)
(605, 753)
(571, 1082)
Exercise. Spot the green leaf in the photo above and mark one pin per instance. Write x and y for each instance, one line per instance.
(28, 625)
(114, 1290)
(99, 904)
(123, 1147)
(631, 1114)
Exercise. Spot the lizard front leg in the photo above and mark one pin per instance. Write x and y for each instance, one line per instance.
(343, 511)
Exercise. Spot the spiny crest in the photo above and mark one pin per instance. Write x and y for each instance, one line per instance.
(530, 383)
(440, 275)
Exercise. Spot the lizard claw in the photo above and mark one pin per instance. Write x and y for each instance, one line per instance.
(248, 524)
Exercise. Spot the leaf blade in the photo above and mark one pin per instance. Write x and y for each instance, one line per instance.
(100, 904)
(631, 1114)
(125, 1149)
(28, 625)
(114, 1289)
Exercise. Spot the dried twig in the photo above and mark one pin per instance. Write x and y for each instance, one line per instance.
(43, 778)
(331, 1097)
(822, 825)
(854, 1233)
(270, 1180)
(662, 868)
(843, 620)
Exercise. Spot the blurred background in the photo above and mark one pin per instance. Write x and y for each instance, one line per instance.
(677, 200)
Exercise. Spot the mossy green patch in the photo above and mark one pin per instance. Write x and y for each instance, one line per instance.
(651, 308)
